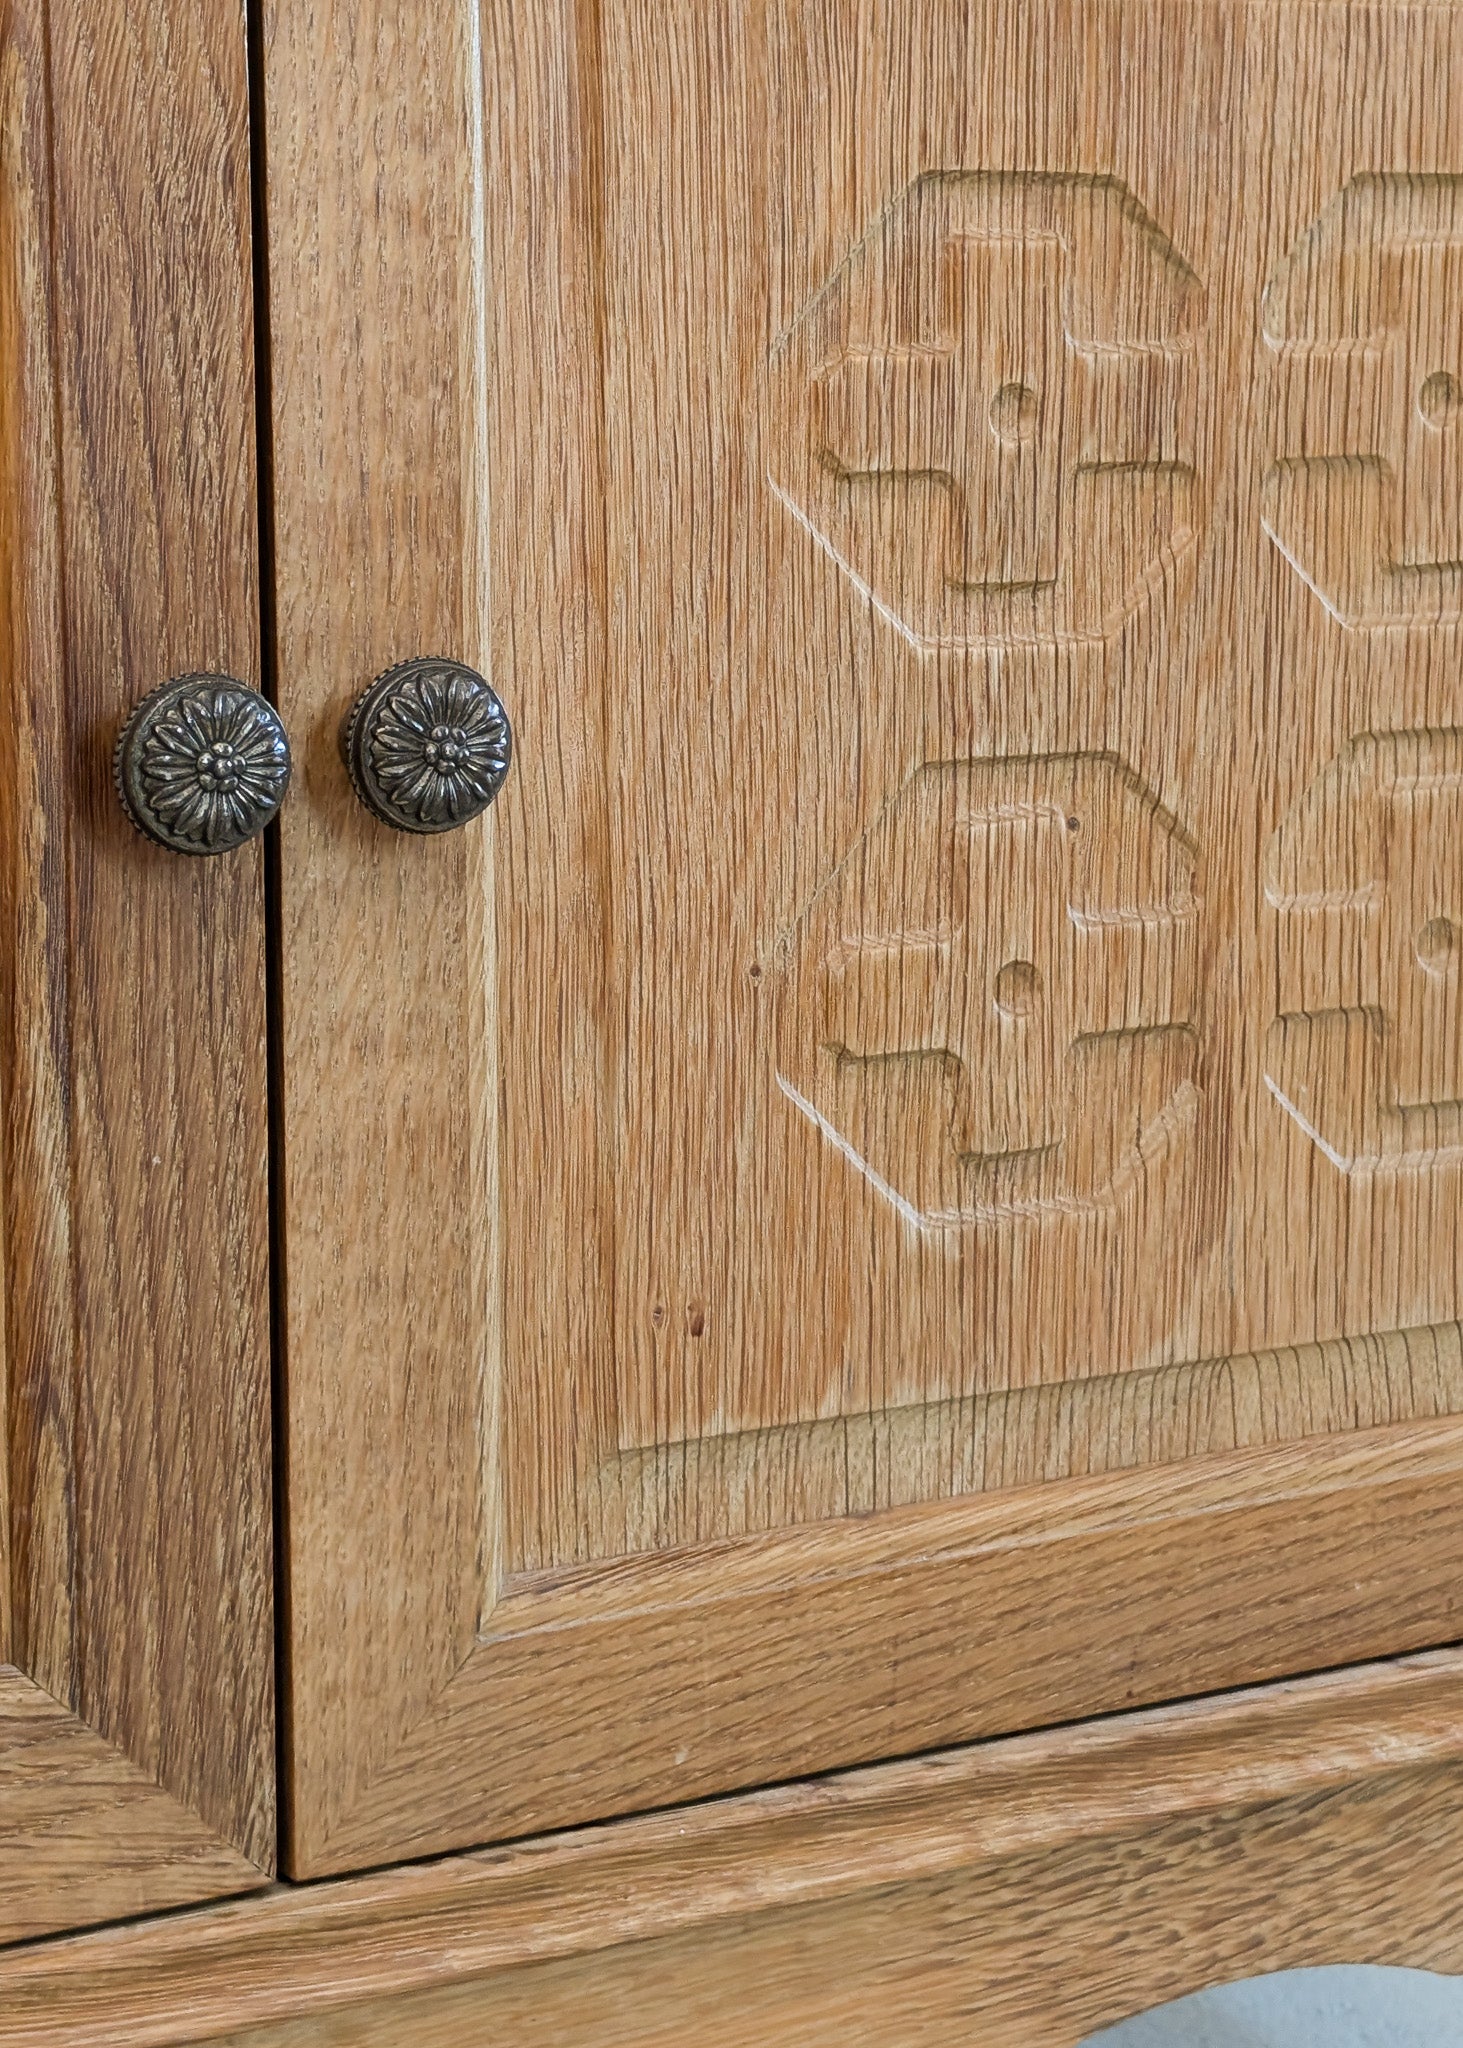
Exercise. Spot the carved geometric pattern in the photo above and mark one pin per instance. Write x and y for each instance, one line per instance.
(985, 417)
(986, 1010)
(1367, 1053)
(1365, 315)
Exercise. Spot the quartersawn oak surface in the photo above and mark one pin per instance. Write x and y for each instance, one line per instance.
(136, 1685)
(1022, 1892)
(907, 1181)
(87, 1834)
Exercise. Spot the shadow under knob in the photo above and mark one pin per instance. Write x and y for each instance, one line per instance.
(428, 745)
(202, 764)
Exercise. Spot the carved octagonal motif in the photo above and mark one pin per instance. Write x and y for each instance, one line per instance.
(986, 417)
(1364, 496)
(986, 1010)
(1367, 875)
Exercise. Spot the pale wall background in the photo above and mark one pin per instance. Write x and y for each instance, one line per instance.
(1351, 2007)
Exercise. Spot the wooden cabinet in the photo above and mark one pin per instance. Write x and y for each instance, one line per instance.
(903, 1188)
(136, 1631)
(905, 1185)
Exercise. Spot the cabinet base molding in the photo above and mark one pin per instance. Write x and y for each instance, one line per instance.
(1035, 1887)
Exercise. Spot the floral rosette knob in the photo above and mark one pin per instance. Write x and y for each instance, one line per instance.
(428, 745)
(202, 764)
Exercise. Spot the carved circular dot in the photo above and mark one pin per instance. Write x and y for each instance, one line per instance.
(1439, 945)
(1013, 414)
(1440, 400)
(1018, 989)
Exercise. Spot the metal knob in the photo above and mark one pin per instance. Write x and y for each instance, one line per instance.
(202, 764)
(427, 744)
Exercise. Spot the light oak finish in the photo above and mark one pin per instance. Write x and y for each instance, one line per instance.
(136, 1725)
(959, 990)
(1021, 1893)
(87, 1834)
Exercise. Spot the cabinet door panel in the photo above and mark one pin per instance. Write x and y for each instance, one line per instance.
(136, 1654)
(915, 1160)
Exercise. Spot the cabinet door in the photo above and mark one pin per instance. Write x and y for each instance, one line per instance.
(136, 1653)
(906, 1182)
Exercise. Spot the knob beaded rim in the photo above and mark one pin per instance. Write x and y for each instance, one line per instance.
(428, 745)
(202, 764)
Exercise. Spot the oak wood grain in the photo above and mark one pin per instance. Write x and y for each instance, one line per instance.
(86, 1835)
(1035, 1955)
(375, 314)
(949, 1622)
(1154, 1852)
(37, 1264)
(135, 1219)
(957, 995)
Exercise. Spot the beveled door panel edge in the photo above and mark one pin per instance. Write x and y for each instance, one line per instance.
(1036, 1608)
(1303, 1750)
(779, 1562)
(86, 1835)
